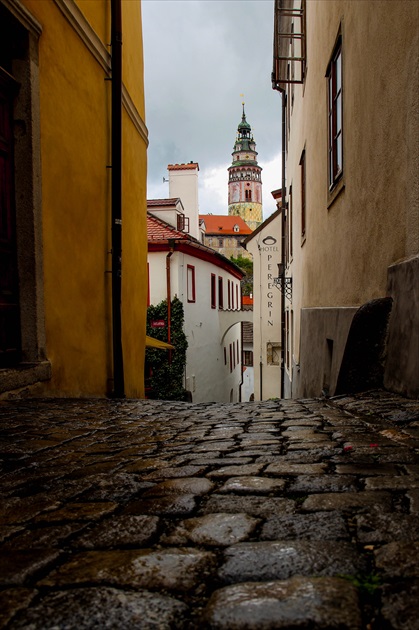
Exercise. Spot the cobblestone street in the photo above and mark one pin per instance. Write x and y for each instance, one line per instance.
(150, 514)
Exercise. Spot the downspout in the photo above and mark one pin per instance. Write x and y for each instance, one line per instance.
(241, 361)
(260, 326)
(116, 43)
(283, 242)
(275, 86)
(169, 298)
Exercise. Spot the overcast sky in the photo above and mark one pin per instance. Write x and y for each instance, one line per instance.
(200, 56)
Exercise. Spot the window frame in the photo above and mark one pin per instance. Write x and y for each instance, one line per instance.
(220, 293)
(190, 288)
(303, 165)
(247, 358)
(213, 290)
(335, 134)
(290, 232)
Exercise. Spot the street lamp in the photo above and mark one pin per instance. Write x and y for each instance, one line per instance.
(282, 283)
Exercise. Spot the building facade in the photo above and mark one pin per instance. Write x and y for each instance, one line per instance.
(248, 387)
(56, 316)
(208, 285)
(265, 246)
(245, 178)
(225, 234)
(348, 77)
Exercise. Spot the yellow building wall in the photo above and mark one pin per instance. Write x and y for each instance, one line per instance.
(251, 213)
(75, 102)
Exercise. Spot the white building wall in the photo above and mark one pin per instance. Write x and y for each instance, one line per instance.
(265, 247)
(207, 376)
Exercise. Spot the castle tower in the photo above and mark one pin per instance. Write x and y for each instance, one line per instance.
(244, 181)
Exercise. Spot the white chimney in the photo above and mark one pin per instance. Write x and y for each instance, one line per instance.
(183, 183)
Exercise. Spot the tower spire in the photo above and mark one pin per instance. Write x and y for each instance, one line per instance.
(243, 115)
(245, 183)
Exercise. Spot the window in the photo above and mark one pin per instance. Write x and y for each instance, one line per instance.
(229, 294)
(182, 223)
(238, 351)
(231, 359)
(248, 195)
(236, 228)
(220, 242)
(334, 83)
(290, 224)
(225, 355)
(237, 297)
(213, 291)
(248, 358)
(273, 353)
(303, 194)
(220, 293)
(191, 283)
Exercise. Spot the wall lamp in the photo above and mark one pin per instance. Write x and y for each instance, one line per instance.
(282, 283)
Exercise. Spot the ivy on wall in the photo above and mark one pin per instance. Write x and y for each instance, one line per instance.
(245, 265)
(165, 369)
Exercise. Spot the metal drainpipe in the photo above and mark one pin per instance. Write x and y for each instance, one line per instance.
(241, 362)
(260, 326)
(116, 43)
(283, 241)
(169, 298)
(283, 231)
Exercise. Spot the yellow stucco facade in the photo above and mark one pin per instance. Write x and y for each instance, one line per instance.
(75, 193)
(250, 212)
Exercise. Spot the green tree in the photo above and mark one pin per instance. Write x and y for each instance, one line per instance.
(245, 265)
(165, 369)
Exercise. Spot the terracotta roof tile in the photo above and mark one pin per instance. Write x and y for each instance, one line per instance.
(158, 230)
(162, 202)
(224, 224)
(247, 332)
(183, 167)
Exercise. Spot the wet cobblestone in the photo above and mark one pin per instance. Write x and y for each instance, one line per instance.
(152, 514)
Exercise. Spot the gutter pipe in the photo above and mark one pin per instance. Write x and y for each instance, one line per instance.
(169, 299)
(276, 86)
(116, 43)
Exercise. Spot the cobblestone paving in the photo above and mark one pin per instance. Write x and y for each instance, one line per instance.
(157, 515)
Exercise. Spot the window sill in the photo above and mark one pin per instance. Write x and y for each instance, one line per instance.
(23, 375)
(335, 192)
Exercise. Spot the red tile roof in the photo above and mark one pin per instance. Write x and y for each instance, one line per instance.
(247, 332)
(158, 230)
(183, 167)
(247, 300)
(162, 202)
(223, 224)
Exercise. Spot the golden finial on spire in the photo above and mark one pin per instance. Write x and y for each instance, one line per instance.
(242, 95)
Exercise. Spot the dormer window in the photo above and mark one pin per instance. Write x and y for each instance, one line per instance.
(182, 223)
(236, 228)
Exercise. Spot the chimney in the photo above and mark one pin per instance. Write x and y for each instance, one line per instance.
(183, 183)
